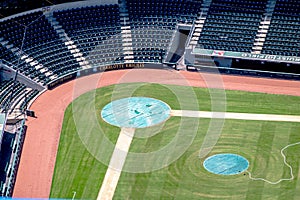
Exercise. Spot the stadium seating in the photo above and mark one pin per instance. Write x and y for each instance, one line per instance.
(20, 65)
(10, 7)
(13, 91)
(283, 36)
(182, 11)
(41, 42)
(29, 96)
(15, 96)
(232, 25)
(5, 84)
(153, 23)
(96, 31)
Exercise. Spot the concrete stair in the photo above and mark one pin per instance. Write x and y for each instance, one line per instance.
(126, 33)
(83, 62)
(199, 22)
(263, 28)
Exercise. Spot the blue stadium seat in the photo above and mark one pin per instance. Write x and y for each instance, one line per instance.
(232, 25)
(283, 37)
(96, 31)
(153, 24)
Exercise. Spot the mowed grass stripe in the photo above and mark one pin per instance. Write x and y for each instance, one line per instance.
(158, 91)
(282, 133)
(288, 188)
(178, 172)
(142, 180)
(264, 145)
(240, 101)
(152, 141)
(176, 180)
(174, 177)
(297, 188)
(125, 186)
(74, 171)
(66, 157)
(142, 189)
(156, 180)
(139, 186)
(297, 173)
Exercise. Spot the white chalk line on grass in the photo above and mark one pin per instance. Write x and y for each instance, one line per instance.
(232, 115)
(287, 164)
(247, 116)
(116, 164)
(74, 195)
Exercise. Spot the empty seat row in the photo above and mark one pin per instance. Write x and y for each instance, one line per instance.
(283, 36)
(232, 25)
(93, 28)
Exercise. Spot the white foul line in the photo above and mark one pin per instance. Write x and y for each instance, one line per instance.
(246, 116)
(116, 164)
(232, 115)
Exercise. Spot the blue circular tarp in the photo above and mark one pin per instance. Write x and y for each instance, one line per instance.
(135, 112)
(226, 164)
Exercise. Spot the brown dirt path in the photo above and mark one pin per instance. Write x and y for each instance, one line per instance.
(41, 143)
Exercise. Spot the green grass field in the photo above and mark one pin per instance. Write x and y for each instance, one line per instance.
(260, 142)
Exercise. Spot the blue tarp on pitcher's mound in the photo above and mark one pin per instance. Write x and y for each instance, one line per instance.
(136, 112)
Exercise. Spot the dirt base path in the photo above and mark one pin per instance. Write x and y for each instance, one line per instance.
(41, 143)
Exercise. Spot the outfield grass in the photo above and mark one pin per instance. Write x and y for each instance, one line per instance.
(258, 141)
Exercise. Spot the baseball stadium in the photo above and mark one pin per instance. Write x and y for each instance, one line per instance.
(150, 99)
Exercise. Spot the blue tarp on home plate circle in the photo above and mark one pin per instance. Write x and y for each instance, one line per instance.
(136, 112)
